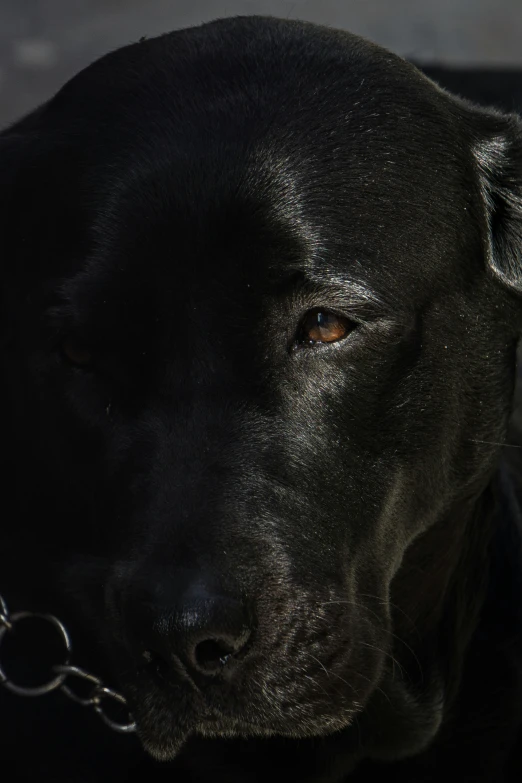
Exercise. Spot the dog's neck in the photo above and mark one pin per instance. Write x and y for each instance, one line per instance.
(441, 588)
(444, 589)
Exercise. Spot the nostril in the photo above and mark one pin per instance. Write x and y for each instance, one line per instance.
(191, 632)
(212, 654)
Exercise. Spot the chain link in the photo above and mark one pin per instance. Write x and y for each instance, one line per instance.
(97, 697)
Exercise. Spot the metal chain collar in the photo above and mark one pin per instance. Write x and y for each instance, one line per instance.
(99, 694)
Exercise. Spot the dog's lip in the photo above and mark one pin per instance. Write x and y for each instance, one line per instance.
(165, 743)
(184, 707)
(192, 706)
(167, 714)
(210, 723)
(212, 726)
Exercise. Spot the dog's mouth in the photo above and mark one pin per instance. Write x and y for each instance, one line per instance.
(168, 715)
(165, 744)
(303, 673)
(165, 721)
(163, 735)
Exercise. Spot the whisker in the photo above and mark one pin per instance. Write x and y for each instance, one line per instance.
(415, 657)
(320, 663)
(392, 605)
(318, 685)
(384, 630)
(495, 443)
(353, 603)
(388, 655)
(377, 688)
(328, 673)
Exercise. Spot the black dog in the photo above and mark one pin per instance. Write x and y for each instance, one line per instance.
(260, 306)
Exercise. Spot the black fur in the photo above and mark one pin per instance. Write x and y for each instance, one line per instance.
(178, 207)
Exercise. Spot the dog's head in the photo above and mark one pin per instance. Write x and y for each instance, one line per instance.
(259, 304)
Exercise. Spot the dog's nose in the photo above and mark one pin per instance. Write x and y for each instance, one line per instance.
(201, 628)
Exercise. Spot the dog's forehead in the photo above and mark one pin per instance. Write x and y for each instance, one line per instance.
(210, 161)
(258, 216)
(197, 92)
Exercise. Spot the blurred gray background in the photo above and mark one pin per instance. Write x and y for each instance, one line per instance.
(44, 42)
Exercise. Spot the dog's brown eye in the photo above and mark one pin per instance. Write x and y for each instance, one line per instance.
(321, 326)
(76, 352)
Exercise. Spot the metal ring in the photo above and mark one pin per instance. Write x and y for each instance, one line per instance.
(57, 681)
(107, 693)
(75, 671)
(5, 621)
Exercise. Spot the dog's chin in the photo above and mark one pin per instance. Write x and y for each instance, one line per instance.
(163, 738)
(163, 747)
(166, 717)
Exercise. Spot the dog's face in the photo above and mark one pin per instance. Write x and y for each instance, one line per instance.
(256, 348)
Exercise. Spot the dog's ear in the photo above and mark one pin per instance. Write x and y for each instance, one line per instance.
(497, 149)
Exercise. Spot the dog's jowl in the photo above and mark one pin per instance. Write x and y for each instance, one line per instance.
(261, 295)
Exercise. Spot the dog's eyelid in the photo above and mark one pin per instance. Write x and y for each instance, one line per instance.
(61, 321)
(350, 298)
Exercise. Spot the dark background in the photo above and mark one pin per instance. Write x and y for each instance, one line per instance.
(44, 42)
